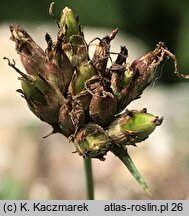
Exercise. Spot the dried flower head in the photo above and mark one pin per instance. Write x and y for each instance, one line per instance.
(81, 97)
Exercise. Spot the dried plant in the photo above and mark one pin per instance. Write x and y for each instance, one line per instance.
(83, 98)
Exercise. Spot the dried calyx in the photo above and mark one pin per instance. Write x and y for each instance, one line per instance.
(82, 97)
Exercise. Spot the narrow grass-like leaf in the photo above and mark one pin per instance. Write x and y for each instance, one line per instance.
(123, 155)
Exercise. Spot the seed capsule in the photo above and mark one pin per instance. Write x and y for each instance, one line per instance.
(103, 104)
(102, 109)
(132, 127)
(92, 141)
(74, 44)
(84, 72)
(120, 79)
(143, 70)
(58, 69)
(84, 98)
(71, 117)
(43, 99)
(31, 55)
(120, 74)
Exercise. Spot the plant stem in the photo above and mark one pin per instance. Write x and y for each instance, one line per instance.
(89, 179)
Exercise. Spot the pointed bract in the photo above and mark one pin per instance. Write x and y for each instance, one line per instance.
(123, 155)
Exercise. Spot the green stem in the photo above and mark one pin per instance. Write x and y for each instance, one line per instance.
(89, 179)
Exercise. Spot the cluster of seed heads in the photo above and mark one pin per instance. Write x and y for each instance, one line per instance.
(81, 97)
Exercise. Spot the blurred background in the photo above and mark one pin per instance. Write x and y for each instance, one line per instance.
(35, 168)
